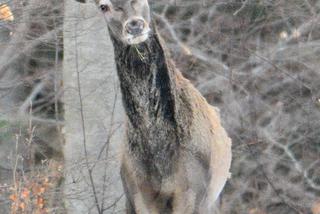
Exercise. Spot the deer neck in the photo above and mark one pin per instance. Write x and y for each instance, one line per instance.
(146, 81)
(149, 93)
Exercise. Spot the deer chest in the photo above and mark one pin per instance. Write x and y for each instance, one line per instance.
(154, 150)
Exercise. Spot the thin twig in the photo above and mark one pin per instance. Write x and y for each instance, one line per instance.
(244, 4)
(23, 108)
(83, 122)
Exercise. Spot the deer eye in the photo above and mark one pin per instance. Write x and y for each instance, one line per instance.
(104, 8)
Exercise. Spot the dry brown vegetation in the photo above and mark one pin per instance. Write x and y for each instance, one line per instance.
(30, 111)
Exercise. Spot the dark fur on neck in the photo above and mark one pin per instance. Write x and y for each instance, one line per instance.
(153, 104)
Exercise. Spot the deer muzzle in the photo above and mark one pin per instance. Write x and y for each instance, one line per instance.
(135, 26)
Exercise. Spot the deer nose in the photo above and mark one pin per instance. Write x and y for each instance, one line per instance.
(135, 26)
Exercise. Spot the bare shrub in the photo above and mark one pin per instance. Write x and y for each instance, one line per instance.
(257, 61)
(30, 86)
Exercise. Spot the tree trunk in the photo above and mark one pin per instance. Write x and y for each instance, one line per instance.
(93, 113)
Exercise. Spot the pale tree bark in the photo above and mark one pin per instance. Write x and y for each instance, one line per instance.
(93, 114)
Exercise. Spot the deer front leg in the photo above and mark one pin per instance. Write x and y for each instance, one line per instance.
(129, 207)
(143, 206)
(128, 190)
(184, 202)
(135, 202)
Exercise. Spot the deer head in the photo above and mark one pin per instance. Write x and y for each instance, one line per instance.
(128, 20)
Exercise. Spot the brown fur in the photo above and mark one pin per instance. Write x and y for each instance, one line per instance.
(209, 141)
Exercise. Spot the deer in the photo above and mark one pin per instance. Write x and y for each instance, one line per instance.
(177, 156)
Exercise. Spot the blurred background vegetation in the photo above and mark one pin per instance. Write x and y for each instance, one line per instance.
(257, 60)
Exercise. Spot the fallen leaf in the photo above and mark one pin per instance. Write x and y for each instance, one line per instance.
(13, 197)
(22, 206)
(40, 202)
(38, 190)
(316, 208)
(25, 193)
(5, 13)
